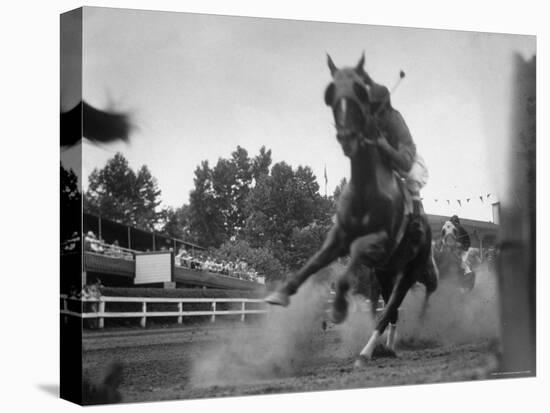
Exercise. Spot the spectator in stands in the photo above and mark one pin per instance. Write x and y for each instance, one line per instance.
(230, 268)
(225, 267)
(100, 245)
(253, 274)
(179, 258)
(91, 243)
(70, 244)
(92, 292)
(115, 250)
(73, 292)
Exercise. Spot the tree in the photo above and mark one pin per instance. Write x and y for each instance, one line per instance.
(281, 203)
(217, 203)
(261, 259)
(147, 199)
(338, 190)
(70, 203)
(205, 218)
(116, 192)
(305, 242)
(175, 223)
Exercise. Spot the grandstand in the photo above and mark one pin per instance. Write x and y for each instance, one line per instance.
(113, 253)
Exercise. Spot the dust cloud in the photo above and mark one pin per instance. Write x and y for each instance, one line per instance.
(288, 340)
(275, 346)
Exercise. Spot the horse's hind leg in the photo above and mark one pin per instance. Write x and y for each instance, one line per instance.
(402, 284)
(430, 280)
(386, 287)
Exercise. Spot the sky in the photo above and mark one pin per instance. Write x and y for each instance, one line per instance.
(199, 85)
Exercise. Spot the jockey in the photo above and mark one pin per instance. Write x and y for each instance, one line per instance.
(463, 238)
(396, 142)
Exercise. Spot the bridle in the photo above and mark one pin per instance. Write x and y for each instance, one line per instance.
(346, 133)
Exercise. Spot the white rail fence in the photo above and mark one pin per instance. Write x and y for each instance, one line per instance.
(98, 311)
(100, 314)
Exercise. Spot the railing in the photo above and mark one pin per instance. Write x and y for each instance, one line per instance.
(95, 246)
(100, 314)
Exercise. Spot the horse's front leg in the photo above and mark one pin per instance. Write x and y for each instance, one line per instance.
(336, 244)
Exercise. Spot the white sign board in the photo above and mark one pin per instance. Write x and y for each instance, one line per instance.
(153, 267)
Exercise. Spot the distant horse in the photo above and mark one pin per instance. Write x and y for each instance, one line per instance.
(454, 263)
(373, 222)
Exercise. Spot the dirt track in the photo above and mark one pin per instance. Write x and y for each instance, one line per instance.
(288, 351)
(162, 365)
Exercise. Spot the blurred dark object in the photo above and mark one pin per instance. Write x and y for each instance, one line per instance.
(107, 390)
(516, 262)
(97, 125)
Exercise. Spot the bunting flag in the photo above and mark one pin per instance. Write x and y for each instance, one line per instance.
(326, 180)
(460, 201)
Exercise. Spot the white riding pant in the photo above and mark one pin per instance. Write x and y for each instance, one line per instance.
(417, 177)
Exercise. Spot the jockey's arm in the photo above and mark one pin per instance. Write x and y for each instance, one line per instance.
(400, 147)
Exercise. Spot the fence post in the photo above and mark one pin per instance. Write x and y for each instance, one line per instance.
(101, 312)
(213, 316)
(180, 309)
(242, 309)
(144, 311)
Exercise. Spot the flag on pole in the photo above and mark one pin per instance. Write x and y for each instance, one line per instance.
(326, 180)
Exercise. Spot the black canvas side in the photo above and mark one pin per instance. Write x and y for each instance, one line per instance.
(71, 203)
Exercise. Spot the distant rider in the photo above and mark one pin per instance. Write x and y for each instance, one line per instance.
(463, 239)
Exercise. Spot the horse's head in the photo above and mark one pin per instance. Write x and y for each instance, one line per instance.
(449, 234)
(348, 96)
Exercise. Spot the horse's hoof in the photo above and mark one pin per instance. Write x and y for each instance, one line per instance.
(278, 298)
(361, 362)
(382, 351)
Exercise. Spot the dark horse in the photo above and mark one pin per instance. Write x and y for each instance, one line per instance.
(373, 222)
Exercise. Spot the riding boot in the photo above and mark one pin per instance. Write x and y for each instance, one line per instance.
(418, 208)
(416, 227)
(430, 276)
